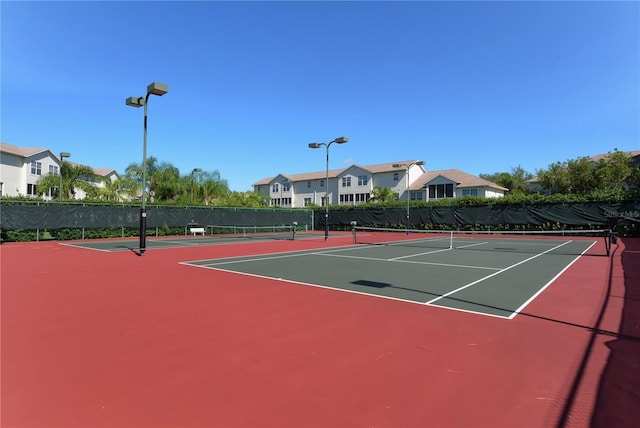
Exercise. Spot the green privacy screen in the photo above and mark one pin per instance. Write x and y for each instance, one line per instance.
(571, 215)
(50, 216)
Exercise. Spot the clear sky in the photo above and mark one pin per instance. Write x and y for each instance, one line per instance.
(478, 86)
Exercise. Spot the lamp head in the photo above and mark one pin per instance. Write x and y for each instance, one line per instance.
(419, 163)
(196, 170)
(315, 145)
(157, 88)
(135, 102)
(65, 155)
(340, 140)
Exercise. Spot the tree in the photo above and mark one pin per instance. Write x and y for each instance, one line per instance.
(211, 187)
(555, 179)
(614, 171)
(163, 179)
(515, 181)
(74, 177)
(382, 194)
(246, 199)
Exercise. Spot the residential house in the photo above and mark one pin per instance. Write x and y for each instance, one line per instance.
(354, 185)
(21, 168)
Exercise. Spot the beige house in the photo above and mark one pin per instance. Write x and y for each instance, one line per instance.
(21, 168)
(353, 185)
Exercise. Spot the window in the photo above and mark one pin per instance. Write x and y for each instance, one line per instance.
(53, 169)
(346, 198)
(321, 183)
(286, 186)
(469, 192)
(307, 202)
(346, 181)
(324, 201)
(1, 189)
(362, 197)
(396, 176)
(308, 184)
(416, 196)
(275, 202)
(363, 180)
(32, 189)
(438, 191)
(36, 168)
(275, 188)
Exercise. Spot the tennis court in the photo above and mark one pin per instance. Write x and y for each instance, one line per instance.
(214, 235)
(488, 274)
(394, 330)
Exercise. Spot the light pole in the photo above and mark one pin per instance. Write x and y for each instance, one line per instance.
(159, 89)
(407, 166)
(62, 156)
(192, 172)
(339, 140)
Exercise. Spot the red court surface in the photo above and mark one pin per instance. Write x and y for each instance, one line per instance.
(96, 339)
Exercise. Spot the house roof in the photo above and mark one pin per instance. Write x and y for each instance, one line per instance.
(462, 179)
(20, 151)
(632, 153)
(101, 172)
(333, 173)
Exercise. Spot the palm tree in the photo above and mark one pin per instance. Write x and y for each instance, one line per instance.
(74, 177)
(382, 194)
(213, 186)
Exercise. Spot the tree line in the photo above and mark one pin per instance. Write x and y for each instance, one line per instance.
(164, 184)
(615, 175)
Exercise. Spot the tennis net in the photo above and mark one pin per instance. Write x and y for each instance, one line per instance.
(252, 232)
(596, 242)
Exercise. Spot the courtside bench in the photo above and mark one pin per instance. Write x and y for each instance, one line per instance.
(197, 230)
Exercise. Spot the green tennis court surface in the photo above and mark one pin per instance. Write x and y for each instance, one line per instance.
(159, 243)
(499, 283)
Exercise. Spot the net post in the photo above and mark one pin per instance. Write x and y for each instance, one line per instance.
(353, 231)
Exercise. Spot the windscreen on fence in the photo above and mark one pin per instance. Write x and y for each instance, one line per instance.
(543, 216)
(55, 216)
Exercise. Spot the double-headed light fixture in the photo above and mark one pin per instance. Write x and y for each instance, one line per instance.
(159, 89)
(339, 140)
(62, 156)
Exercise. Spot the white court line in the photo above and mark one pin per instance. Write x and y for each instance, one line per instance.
(493, 274)
(420, 254)
(290, 281)
(524, 305)
(408, 261)
(89, 248)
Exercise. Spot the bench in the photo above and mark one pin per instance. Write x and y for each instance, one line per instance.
(196, 230)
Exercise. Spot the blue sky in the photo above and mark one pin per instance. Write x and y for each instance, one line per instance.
(478, 86)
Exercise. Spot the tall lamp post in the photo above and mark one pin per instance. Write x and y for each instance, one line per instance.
(193, 172)
(159, 89)
(339, 140)
(407, 166)
(62, 156)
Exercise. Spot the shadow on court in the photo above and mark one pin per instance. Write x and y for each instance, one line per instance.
(621, 335)
(618, 398)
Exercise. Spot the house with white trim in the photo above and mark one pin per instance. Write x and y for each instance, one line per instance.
(353, 185)
(21, 168)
